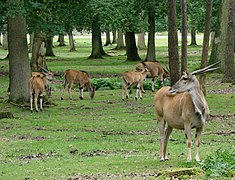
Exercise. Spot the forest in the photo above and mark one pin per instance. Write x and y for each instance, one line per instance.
(98, 129)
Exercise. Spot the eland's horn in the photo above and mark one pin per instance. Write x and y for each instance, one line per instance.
(206, 69)
(43, 69)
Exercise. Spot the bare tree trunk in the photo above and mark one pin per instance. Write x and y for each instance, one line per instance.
(49, 46)
(141, 41)
(61, 40)
(193, 37)
(4, 40)
(97, 48)
(151, 55)
(31, 36)
(184, 37)
(205, 47)
(229, 49)
(120, 42)
(18, 58)
(71, 41)
(173, 42)
(114, 37)
(216, 53)
(37, 42)
(108, 40)
(131, 49)
(0, 38)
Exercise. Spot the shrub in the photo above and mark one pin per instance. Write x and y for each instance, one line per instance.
(116, 83)
(219, 164)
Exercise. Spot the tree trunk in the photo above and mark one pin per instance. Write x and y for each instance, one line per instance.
(229, 46)
(108, 40)
(18, 58)
(131, 49)
(71, 42)
(49, 46)
(205, 47)
(193, 37)
(31, 36)
(141, 41)
(114, 37)
(97, 48)
(151, 55)
(222, 42)
(216, 47)
(184, 37)
(4, 40)
(0, 38)
(37, 42)
(173, 42)
(61, 40)
(120, 41)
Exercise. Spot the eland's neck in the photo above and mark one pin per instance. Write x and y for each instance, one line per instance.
(199, 102)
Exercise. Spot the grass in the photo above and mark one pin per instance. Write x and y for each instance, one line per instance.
(106, 138)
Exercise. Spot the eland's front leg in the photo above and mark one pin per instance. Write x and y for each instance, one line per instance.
(187, 129)
(197, 142)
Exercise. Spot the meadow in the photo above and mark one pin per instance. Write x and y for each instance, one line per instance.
(104, 137)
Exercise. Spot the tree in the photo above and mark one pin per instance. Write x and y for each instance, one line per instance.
(131, 49)
(184, 36)
(18, 54)
(120, 41)
(151, 56)
(173, 42)
(108, 40)
(71, 41)
(222, 45)
(97, 48)
(205, 48)
(229, 45)
(141, 41)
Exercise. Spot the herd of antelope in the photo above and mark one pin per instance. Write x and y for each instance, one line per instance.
(181, 106)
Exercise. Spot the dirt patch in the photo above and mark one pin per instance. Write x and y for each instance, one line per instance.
(220, 117)
(222, 91)
(27, 137)
(38, 156)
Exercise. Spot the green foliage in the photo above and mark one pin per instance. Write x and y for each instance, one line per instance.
(106, 83)
(220, 164)
(116, 83)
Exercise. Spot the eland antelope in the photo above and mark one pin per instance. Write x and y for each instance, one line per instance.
(81, 78)
(182, 106)
(131, 77)
(155, 70)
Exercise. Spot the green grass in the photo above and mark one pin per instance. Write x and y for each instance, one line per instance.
(105, 138)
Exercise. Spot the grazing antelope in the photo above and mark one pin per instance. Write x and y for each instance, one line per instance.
(81, 78)
(155, 69)
(36, 88)
(132, 77)
(182, 106)
(47, 81)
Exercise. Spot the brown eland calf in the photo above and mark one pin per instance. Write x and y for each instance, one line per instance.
(131, 77)
(155, 70)
(36, 89)
(182, 106)
(81, 78)
(47, 81)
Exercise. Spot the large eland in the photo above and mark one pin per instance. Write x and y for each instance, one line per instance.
(182, 106)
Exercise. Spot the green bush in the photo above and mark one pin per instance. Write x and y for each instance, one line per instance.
(116, 83)
(220, 164)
